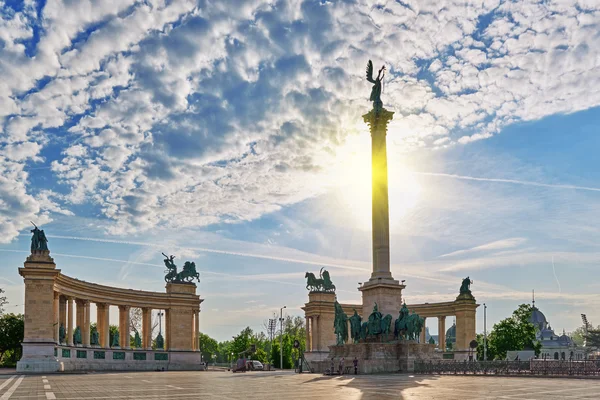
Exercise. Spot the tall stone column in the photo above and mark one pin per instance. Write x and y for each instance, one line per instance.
(124, 340)
(167, 329)
(423, 337)
(70, 321)
(381, 289)
(56, 309)
(85, 330)
(106, 327)
(442, 332)
(147, 328)
(465, 309)
(316, 334)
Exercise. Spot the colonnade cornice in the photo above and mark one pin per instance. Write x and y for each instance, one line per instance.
(102, 294)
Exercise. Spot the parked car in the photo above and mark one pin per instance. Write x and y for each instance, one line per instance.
(254, 365)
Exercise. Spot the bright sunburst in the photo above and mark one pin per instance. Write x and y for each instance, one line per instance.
(351, 176)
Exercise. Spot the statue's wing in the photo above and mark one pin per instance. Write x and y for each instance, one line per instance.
(370, 72)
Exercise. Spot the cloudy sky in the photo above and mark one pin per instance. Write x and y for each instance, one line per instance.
(229, 133)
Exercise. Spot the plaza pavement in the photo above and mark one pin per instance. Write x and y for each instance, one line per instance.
(286, 385)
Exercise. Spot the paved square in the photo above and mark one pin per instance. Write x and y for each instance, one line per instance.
(284, 385)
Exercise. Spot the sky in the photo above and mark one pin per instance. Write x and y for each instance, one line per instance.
(229, 133)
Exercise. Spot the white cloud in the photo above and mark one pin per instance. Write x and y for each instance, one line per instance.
(171, 114)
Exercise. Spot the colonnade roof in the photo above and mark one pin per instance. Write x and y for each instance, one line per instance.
(93, 292)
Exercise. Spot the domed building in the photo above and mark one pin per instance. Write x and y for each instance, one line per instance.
(554, 346)
(451, 336)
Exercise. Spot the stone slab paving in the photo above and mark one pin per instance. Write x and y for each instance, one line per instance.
(285, 385)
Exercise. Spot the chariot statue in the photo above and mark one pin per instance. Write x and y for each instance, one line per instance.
(321, 284)
(187, 275)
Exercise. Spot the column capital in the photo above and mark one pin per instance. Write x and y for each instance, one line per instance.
(124, 308)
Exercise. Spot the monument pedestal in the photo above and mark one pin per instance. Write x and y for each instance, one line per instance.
(374, 358)
(387, 293)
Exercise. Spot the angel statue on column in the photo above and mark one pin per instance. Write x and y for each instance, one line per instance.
(376, 91)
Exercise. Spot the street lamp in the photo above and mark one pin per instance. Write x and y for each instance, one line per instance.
(160, 314)
(281, 337)
(484, 333)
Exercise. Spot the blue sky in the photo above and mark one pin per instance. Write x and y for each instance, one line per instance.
(230, 133)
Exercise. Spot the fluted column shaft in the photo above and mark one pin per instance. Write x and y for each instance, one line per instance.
(56, 309)
(70, 321)
(146, 328)
(85, 329)
(423, 337)
(124, 326)
(378, 121)
(80, 315)
(197, 332)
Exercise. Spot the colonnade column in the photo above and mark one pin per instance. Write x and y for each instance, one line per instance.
(56, 316)
(307, 338)
(102, 324)
(80, 316)
(197, 336)
(124, 326)
(167, 329)
(146, 328)
(85, 330)
(70, 321)
(316, 333)
(442, 332)
(423, 338)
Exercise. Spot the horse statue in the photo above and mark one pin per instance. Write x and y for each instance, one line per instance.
(188, 274)
(364, 330)
(375, 322)
(313, 283)
(386, 322)
(401, 324)
(415, 325)
(340, 325)
(355, 322)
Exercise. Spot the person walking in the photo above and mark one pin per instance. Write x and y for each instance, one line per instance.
(355, 362)
(332, 370)
(342, 366)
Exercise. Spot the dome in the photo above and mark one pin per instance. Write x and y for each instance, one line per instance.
(565, 340)
(451, 332)
(538, 319)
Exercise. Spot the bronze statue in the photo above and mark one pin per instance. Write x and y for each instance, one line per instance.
(340, 325)
(374, 324)
(355, 323)
(376, 91)
(137, 340)
(116, 337)
(401, 324)
(38, 240)
(160, 341)
(187, 275)
(61, 334)
(77, 336)
(322, 284)
(465, 287)
(94, 340)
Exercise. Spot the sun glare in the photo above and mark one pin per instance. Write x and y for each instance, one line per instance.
(351, 177)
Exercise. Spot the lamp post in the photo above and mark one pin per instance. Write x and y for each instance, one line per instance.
(484, 332)
(160, 314)
(281, 337)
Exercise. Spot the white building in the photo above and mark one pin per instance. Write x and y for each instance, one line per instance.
(554, 346)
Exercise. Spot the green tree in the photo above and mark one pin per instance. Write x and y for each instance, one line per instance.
(261, 355)
(241, 342)
(3, 301)
(12, 328)
(275, 359)
(593, 338)
(578, 336)
(513, 333)
(208, 348)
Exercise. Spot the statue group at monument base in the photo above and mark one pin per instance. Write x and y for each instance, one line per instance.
(374, 358)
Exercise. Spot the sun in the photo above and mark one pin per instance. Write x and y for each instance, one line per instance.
(351, 178)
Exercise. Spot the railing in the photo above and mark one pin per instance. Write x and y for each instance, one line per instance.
(511, 368)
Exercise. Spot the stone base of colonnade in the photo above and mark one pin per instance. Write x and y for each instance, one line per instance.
(39, 358)
(376, 358)
(83, 359)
